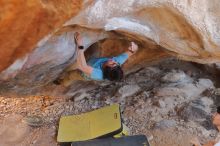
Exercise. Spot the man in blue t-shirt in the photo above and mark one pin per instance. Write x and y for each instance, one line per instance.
(102, 68)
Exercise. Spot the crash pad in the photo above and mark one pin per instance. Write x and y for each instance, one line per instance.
(99, 123)
(137, 140)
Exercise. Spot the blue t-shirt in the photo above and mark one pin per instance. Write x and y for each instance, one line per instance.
(97, 63)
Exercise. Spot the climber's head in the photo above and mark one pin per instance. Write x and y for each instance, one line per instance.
(112, 71)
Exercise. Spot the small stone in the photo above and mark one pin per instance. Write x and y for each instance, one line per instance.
(34, 141)
(47, 111)
(212, 134)
(47, 103)
(71, 108)
(97, 95)
(94, 107)
(54, 112)
(164, 124)
(128, 90)
(81, 97)
(60, 112)
(172, 113)
(146, 94)
(108, 101)
(34, 121)
(160, 104)
(150, 138)
(174, 77)
(16, 102)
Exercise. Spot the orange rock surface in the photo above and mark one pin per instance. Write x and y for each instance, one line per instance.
(23, 23)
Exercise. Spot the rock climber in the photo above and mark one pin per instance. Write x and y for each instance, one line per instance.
(102, 68)
(216, 122)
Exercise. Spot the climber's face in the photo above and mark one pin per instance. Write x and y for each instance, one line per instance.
(111, 63)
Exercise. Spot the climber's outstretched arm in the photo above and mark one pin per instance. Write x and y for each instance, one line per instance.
(122, 58)
(81, 61)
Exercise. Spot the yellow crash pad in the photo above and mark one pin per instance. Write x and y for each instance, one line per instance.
(98, 123)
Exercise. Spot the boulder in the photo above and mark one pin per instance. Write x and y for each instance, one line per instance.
(184, 89)
(174, 77)
(198, 110)
(164, 124)
(128, 90)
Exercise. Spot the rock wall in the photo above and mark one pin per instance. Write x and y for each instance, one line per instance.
(37, 44)
(24, 23)
(189, 28)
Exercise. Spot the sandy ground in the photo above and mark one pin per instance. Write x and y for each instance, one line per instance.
(143, 108)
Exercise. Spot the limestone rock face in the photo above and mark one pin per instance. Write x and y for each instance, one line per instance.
(36, 37)
(189, 28)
